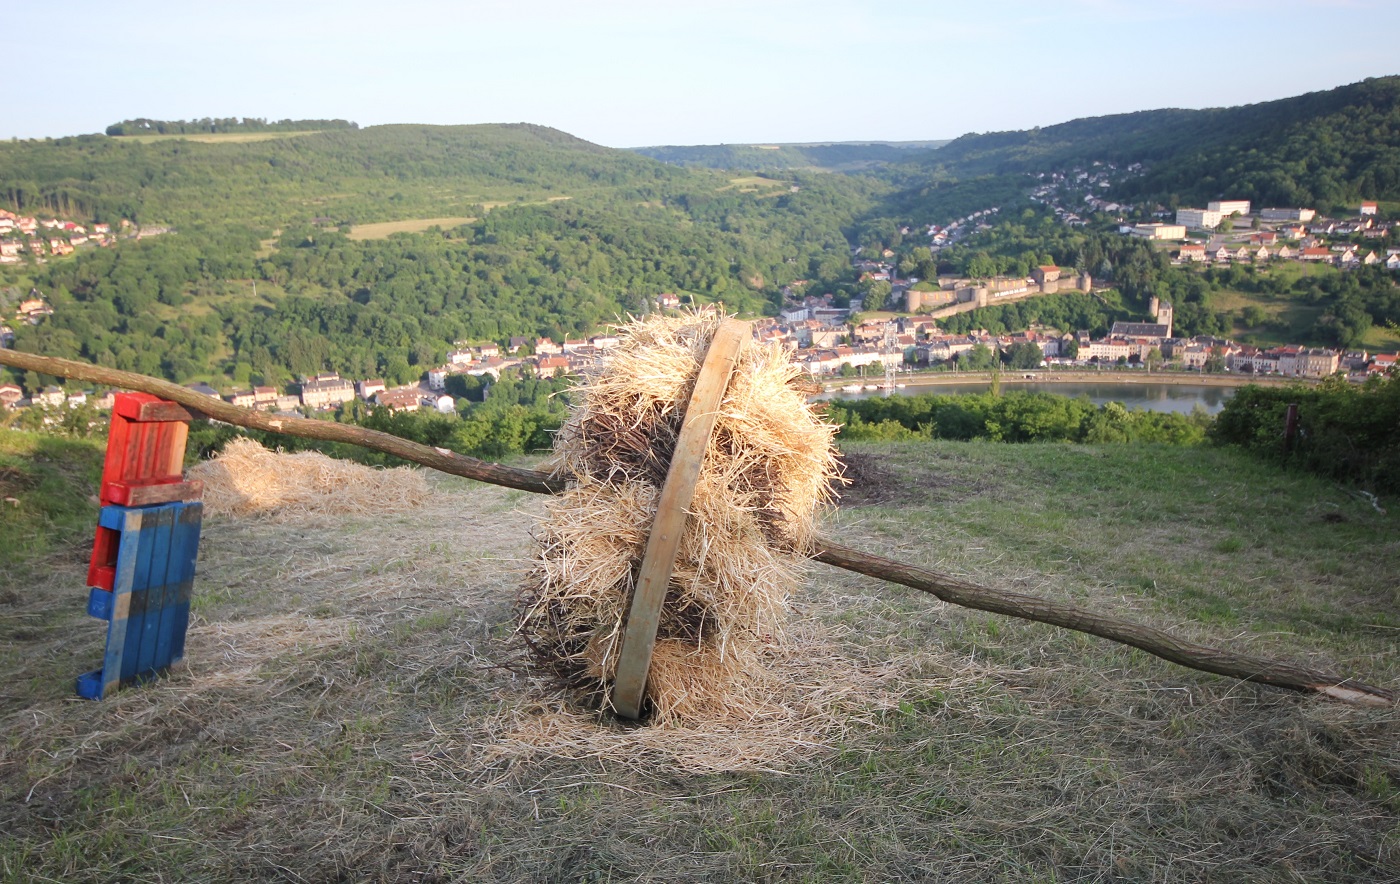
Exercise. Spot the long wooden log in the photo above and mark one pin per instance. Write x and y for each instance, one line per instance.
(949, 589)
(326, 431)
(1154, 641)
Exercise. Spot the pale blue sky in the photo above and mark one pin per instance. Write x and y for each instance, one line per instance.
(640, 72)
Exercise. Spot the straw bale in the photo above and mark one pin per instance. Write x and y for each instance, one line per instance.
(766, 473)
(247, 479)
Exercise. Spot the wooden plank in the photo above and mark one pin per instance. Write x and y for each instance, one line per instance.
(163, 411)
(144, 407)
(139, 587)
(158, 538)
(644, 616)
(175, 617)
(127, 494)
(128, 522)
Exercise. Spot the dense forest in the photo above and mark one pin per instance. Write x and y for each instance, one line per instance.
(219, 125)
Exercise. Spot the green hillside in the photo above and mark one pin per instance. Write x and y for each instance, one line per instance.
(382, 173)
(1315, 149)
(836, 157)
(261, 281)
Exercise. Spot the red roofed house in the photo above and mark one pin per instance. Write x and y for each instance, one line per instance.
(402, 399)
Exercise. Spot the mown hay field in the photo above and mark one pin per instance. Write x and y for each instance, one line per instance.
(347, 711)
(384, 229)
(220, 137)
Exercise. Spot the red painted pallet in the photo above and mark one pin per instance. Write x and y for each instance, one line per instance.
(144, 467)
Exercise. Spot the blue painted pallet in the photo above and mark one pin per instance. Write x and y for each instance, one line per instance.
(148, 609)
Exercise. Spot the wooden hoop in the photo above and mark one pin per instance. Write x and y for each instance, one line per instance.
(644, 616)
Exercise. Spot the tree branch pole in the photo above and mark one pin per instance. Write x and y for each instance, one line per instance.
(327, 431)
(948, 589)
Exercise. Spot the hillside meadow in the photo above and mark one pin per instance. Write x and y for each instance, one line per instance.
(348, 710)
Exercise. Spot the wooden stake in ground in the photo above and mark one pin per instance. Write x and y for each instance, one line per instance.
(949, 589)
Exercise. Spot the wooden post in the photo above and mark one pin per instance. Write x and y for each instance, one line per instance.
(1290, 428)
(639, 636)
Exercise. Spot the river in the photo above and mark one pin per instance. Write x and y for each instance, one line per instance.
(1146, 396)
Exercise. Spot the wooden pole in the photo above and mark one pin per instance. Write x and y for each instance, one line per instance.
(949, 589)
(326, 431)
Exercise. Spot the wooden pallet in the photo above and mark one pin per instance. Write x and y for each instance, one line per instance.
(148, 608)
(141, 570)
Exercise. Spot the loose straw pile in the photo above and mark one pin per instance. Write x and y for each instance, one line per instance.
(247, 479)
(767, 470)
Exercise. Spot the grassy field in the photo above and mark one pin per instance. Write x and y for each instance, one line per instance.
(1291, 320)
(412, 225)
(219, 137)
(345, 715)
(753, 184)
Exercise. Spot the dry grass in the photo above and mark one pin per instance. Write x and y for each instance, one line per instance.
(219, 137)
(382, 229)
(344, 714)
(247, 479)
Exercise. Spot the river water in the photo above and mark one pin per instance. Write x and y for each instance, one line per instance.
(1146, 396)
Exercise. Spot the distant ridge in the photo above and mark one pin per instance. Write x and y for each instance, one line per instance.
(376, 173)
(1321, 147)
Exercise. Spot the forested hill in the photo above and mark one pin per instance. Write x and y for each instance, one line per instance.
(381, 173)
(494, 232)
(835, 157)
(1310, 150)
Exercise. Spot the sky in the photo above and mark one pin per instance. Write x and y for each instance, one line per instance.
(630, 73)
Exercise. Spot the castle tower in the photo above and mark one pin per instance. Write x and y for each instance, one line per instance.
(1164, 315)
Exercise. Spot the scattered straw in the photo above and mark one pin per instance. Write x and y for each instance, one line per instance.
(799, 699)
(766, 473)
(247, 479)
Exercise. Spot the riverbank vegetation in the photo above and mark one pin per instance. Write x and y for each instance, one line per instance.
(1346, 432)
(1013, 416)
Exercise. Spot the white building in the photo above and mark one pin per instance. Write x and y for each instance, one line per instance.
(1198, 219)
(1160, 231)
(1229, 207)
(1287, 214)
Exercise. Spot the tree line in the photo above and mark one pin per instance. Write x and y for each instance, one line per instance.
(213, 125)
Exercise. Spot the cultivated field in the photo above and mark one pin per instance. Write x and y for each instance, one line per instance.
(346, 712)
(219, 137)
(383, 229)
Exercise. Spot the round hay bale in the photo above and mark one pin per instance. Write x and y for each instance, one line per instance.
(766, 472)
